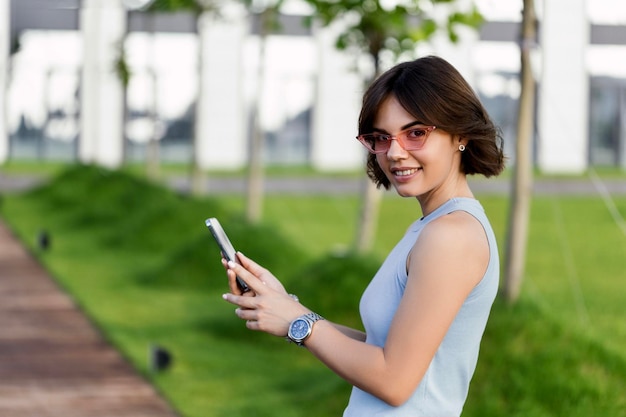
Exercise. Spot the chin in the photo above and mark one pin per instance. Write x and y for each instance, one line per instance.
(405, 192)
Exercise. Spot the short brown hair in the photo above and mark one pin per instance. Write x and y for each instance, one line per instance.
(435, 93)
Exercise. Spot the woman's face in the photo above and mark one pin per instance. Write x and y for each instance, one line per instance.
(429, 173)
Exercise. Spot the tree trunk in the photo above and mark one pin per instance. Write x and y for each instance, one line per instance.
(152, 148)
(371, 197)
(197, 180)
(368, 220)
(256, 172)
(519, 215)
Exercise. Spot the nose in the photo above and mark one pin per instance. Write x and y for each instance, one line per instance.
(395, 151)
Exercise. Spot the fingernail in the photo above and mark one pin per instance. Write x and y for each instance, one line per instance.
(231, 264)
(225, 296)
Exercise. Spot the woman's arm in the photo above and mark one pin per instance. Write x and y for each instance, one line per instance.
(350, 332)
(448, 260)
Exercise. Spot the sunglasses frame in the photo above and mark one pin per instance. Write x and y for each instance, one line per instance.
(364, 142)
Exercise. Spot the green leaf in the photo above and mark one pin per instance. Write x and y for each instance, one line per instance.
(397, 30)
(174, 6)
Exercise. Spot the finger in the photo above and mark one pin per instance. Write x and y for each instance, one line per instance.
(250, 316)
(246, 303)
(252, 280)
(232, 282)
(253, 325)
(233, 285)
(246, 314)
(249, 264)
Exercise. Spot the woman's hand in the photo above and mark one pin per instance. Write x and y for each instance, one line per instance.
(270, 309)
(255, 269)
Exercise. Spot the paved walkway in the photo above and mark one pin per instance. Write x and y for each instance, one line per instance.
(343, 186)
(53, 362)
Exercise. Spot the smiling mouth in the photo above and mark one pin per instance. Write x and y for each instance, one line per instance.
(405, 172)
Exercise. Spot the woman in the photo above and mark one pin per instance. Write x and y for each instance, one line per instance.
(426, 308)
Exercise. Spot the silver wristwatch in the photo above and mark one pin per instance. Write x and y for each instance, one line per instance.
(301, 328)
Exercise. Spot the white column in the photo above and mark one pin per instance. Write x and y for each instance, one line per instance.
(336, 108)
(103, 24)
(221, 125)
(564, 88)
(4, 68)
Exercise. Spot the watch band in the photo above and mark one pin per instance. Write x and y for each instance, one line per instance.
(313, 317)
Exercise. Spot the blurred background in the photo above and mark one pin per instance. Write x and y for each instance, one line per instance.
(99, 80)
(227, 88)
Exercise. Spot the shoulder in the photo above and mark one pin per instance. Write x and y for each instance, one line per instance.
(453, 229)
(455, 242)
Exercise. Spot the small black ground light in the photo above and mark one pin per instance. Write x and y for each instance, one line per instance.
(159, 358)
(44, 240)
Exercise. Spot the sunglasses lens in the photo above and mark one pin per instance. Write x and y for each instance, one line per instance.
(413, 139)
(375, 143)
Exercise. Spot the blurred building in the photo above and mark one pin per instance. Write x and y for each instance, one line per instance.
(62, 62)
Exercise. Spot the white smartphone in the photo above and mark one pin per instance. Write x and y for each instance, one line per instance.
(227, 249)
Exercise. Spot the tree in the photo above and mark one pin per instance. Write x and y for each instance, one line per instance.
(267, 12)
(198, 8)
(124, 73)
(521, 194)
(268, 15)
(373, 28)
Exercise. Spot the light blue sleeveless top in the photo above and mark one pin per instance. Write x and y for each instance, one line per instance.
(443, 389)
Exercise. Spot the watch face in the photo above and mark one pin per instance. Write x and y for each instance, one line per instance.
(299, 329)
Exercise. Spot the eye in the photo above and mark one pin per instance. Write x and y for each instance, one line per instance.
(381, 137)
(416, 133)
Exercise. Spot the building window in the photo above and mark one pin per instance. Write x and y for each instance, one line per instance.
(607, 122)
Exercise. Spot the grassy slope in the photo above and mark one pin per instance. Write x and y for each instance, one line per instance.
(139, 260)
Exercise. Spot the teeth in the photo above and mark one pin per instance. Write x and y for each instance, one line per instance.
(405, 172)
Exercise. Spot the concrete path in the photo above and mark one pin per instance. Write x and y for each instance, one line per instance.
(342, 186)
(53, 361)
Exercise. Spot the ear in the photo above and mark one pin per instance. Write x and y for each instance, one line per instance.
(461, 140)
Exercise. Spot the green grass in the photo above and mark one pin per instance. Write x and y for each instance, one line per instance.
(139, 260)
(51, 168)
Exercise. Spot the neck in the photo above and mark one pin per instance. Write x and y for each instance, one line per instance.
(430, 201)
